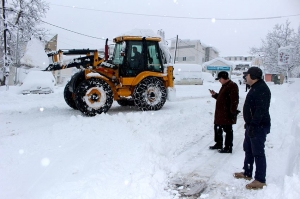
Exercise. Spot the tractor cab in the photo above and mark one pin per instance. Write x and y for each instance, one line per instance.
(134, 55)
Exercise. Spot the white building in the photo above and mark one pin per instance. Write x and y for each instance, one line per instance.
(218, 64)
(192, 52)
(242, 62)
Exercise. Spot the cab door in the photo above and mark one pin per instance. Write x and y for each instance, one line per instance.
(134, 63)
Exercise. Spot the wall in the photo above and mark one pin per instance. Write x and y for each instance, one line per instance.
(191, 51)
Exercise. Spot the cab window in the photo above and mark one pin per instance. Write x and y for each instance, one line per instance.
(153, 57)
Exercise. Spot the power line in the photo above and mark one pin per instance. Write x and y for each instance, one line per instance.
(72, 31)
(81, 33)
(11, 9)
(180, 17)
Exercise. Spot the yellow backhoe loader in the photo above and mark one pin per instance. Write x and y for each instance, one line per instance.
(135, 75)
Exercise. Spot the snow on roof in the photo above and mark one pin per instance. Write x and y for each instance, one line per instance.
(229, 63)
(141, 32)
(35, 56)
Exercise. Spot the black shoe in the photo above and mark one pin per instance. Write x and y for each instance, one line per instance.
(225, 150)
(216, 146)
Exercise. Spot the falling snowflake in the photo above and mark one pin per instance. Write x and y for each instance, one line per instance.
(45, 162)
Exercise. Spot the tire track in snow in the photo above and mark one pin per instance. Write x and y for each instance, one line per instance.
(209, 161)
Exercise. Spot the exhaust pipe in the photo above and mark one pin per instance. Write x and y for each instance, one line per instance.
(106, 50)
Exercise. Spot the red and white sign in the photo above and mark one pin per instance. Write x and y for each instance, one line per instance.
(285, 55)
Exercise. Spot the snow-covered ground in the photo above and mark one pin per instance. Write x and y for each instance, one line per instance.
(50, 151)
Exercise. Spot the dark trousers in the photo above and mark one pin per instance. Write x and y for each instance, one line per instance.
(219, 135)
(254, 148)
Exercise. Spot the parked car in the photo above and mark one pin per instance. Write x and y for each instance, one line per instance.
(38, 82)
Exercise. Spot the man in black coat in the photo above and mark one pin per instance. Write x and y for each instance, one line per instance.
(227, 101)
(257, 125)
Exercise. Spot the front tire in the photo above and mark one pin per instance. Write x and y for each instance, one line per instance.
(93, 96)
(150, 94)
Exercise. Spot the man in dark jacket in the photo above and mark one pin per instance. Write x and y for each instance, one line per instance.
(257, 125)
(225, 112)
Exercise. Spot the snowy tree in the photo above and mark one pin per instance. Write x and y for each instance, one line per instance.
(296, 71)
(22, 18)
(281, 36)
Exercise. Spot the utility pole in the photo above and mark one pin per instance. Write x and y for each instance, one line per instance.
(176, 48)
(4, 23)
(5, 60)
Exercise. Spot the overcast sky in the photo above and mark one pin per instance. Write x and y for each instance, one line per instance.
(110, 18)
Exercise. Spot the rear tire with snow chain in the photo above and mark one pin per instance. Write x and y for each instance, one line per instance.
(68, 95)
(93, 96)
(150, 94)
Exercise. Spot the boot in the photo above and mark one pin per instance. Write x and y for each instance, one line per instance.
(241, 175)
(226, 150)
(255, 185)
(216, 146)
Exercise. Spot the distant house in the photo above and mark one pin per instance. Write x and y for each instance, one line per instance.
(242, 63)
(275, 77)
(218, 64)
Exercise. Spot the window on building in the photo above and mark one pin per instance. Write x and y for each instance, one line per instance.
(241, 58)
(250, 58)
(229, 58)
(245, 58)
(184, 59)
(235, 58)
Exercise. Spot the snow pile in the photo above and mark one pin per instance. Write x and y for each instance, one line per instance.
(38, 80)
(207, 77)
(35, 56)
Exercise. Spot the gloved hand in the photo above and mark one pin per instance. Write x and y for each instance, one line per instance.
(251, 131)
(234, 115)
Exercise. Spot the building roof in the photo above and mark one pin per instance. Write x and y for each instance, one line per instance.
(229, 63)
(209, 46)
(238, 56)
